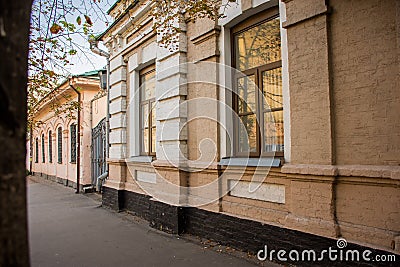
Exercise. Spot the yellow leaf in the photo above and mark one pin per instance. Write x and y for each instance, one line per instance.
(55, 28)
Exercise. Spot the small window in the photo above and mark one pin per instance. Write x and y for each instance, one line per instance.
(50, 148)
(258, 99)
(37, 150)
(59, 145)
(147, 111)
(43, 150)
(73, 143)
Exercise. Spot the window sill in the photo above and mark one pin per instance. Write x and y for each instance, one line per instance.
(141, 159)
(252, 162)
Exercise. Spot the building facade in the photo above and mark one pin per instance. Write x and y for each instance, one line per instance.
(281, 117)
(54, 136)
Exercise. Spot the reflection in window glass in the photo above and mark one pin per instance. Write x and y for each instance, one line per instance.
(259, 100)
(145, 115)
(148, 85)
(248, 133)
(147, 111)
(247, 94)
(145, 140)
(273, 131)
(273, 110)
(272, 88)
(258, 45)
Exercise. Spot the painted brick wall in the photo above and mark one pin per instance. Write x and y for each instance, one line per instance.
(366, 80)
(309, 92)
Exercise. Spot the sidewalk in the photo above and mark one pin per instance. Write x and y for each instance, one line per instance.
(66, 229)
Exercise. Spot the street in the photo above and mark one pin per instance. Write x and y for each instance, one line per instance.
(66, 229)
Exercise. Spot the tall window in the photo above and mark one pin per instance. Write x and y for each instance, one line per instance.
(43, 149)
(59, 145)
(258, 100)
(73, 142)
(147, 111)
(50, 148)
(37, 150)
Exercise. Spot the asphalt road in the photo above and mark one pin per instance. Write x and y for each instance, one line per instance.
(66, 229)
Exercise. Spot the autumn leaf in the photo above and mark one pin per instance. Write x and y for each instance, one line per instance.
(55, 28)
(88, 20)
(79, 20)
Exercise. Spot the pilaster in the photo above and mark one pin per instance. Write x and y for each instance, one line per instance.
(310, 82)
(117, 108)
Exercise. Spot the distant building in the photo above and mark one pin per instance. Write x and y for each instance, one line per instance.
(311, 156)
(54, 136)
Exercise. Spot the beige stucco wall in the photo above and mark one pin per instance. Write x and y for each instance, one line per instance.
(343, 68)
(99, 111)
(366, 81)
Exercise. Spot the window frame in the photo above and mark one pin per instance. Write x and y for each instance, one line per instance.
(149, 103)
(73, 142)
(43, 149)
(59, 145)
(37, 150)
(252, 22)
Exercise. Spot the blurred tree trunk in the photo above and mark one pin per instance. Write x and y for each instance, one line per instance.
(14, 36)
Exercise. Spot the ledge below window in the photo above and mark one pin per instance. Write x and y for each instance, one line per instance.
(252, 162)
(142, 159)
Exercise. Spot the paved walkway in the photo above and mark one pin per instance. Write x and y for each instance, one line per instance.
(67, 229)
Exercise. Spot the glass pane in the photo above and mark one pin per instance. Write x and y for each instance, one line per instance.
(147, 82)
(247, 94)
(50, 148)
(37, 151)
(145, 140)
(73, 142)
(258, 45)
(145, 116)
(59, 141)
(43, 149)
(272, 88)
(248, 133)
(153, 139)
(273, 131)
(153, 114)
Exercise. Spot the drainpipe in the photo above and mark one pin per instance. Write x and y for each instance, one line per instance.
(78, 140)
(218, 91)
(95, 49)
(337, 228)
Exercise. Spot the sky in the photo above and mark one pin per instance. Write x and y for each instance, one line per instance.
(87, 61)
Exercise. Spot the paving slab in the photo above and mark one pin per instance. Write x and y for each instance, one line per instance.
(68, 229)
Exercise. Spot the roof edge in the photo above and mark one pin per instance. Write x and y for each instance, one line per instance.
(101, 35)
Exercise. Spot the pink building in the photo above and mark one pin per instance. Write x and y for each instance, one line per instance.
(54, 138)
